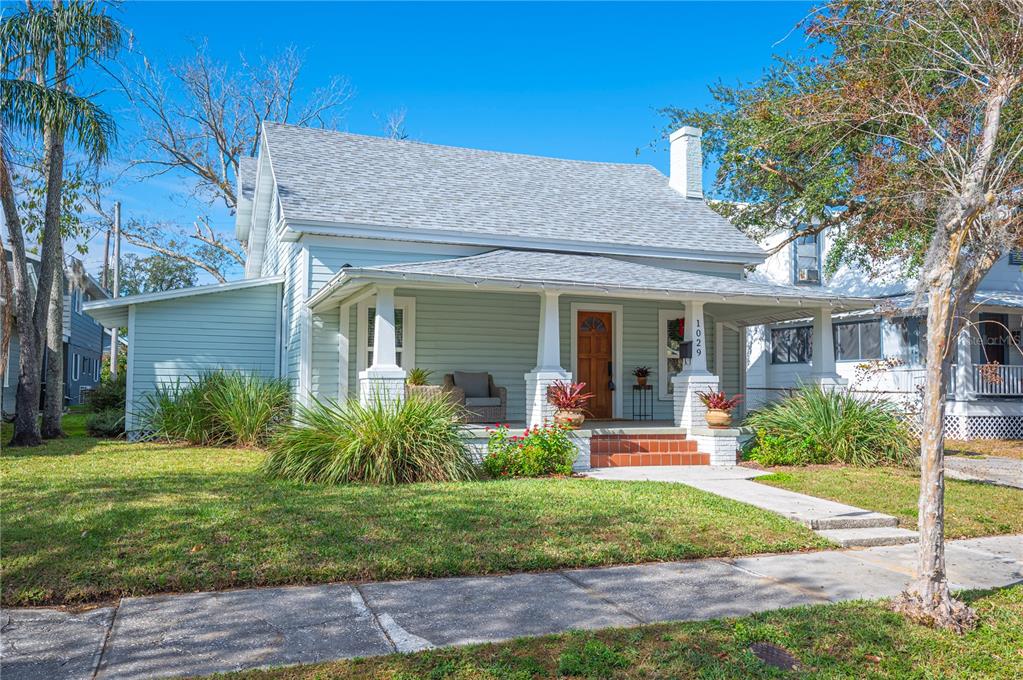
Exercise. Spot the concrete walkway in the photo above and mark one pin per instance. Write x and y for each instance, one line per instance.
(844, 524)
(990, 469)
(202, 633)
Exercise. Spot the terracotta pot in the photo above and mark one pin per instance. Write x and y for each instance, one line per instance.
(641, 380)
(718, 418)
(571, 420)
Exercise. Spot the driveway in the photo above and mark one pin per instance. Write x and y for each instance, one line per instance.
(993, 470)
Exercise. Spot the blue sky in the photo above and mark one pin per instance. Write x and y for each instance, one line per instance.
(569, 80)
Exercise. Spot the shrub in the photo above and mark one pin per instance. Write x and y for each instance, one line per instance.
(537, 452)
(109, 394)
(416, 440)
(108, 423)
(248, 407)
(218, 408)
(566, 396)
(719, 400)
(823, 426)
(770, 450)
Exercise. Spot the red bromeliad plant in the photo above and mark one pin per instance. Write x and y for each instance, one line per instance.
(719, 401)
(566, 396)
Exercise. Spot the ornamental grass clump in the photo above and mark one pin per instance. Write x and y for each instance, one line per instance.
(416, 440)
(818, 426)
(220, 408)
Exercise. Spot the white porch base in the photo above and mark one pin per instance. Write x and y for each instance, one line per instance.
(689, 410)
(538, 409)
(386, 385)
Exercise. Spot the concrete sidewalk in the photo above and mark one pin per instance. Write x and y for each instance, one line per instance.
(202, 633)
(990, 469)
(845, 525)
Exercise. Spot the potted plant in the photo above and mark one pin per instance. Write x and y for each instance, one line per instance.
(570, 401)
(418, 382)
(641, 373)
(719, 408)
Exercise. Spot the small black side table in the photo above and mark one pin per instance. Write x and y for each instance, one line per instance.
(642, 402)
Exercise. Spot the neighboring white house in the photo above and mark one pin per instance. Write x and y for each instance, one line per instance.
(369, 256)
(882, 352)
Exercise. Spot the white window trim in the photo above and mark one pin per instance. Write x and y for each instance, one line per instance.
(343, 349)
(97, 368)
(617, 355)
(76, 365)
(859, 339)
(408, 331)
(663, 316)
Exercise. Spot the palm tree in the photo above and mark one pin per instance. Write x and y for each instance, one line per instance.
(41, 49)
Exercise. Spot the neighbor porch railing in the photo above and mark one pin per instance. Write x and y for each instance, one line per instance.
(996, 380)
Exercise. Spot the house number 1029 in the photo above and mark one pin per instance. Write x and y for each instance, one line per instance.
(698, 338)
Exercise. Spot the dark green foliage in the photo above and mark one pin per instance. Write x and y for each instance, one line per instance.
(822, 426)
(417, 440)
(107, 423)
(219, 408)
(537, 452)
(109, 394)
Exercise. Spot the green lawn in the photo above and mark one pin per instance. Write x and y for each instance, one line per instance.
(87, 520)
(850, 640)
(971, 508)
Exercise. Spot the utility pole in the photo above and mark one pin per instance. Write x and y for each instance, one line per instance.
(117, 286)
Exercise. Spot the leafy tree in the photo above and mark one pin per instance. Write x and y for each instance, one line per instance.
(41, 49)
(155, 273)
(904, 132)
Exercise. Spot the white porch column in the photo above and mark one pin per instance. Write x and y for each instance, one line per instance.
(384, 380)
(964, 387)
(689, 410)
(824, 372)
(548, 362)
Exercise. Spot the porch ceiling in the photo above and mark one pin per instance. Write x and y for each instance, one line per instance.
(537, 271)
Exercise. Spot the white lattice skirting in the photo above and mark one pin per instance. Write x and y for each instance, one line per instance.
(983, 427)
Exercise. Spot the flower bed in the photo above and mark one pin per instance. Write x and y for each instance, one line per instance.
(537, 452)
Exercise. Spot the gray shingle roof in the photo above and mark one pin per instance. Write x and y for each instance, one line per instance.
(247, 176)
(335, 177)
(555, 269)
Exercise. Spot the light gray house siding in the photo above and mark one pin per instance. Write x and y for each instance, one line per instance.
(326, 259)
(175, 341)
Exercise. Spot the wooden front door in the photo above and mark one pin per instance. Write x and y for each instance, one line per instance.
(593, 344)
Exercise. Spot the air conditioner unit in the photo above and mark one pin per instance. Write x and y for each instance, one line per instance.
(807, 275)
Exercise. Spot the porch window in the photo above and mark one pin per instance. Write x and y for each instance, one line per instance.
(399, 336)
(913, 336)
(806, 260)
(671, 331)
(792, 345)
(404, 332)
(858, 340)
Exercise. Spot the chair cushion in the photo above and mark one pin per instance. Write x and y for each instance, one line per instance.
(473, 384)
(482, 401)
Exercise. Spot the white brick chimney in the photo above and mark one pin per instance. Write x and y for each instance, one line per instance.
(686, 173)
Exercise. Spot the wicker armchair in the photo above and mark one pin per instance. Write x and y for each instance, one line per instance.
(483, 401)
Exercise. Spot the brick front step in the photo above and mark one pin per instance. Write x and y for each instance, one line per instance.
(624, 450)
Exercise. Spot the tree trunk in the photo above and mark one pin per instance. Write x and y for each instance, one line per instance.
(26, 419)
(928, 599)
(53, 408)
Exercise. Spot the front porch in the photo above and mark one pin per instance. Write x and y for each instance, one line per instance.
(527, 330)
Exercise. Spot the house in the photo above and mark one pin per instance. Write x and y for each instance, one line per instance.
(83, 338)
(367, 256)
(881, 352)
